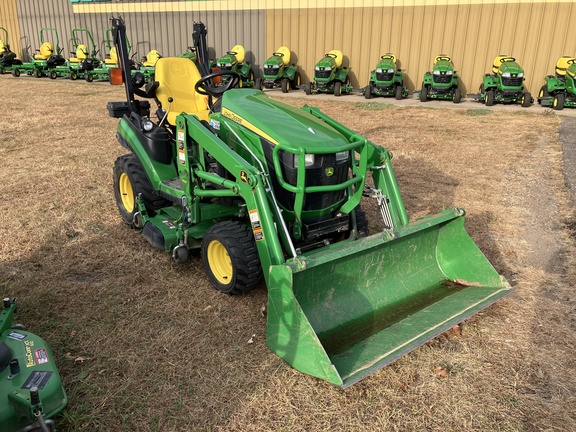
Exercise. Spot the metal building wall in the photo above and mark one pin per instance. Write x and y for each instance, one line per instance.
(9, 20)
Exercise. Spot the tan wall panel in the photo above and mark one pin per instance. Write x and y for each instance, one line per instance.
(9, 20)
(536, 33)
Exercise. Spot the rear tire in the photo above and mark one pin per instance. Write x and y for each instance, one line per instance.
(424, 94)
(527, 100)
(308, 88)
(2, 70)
(285, 85)
(297, 81)
(89, 78)
(73, 76)
(559, 100)
(543, 93)
(398, 94)
(259, 84)
(130, 179)
(368, 91)
(337, 89)
(16, 72)
(37, 73)
(490, 98)
(53, 75)
(457, 96)
(230, 258)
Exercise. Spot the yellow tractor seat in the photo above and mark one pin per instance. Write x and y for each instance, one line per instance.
(151, 58)
(113, 57)
(285, 51)
(81, 54)
(2, 47)
(46, 50)
(442, 57)
(239, 52)
(338, 57)
(389, 56)
(563, 64)
(176, 78)
(499, 60)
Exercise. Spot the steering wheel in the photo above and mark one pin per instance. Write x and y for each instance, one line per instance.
(206, 88)
(330, 55)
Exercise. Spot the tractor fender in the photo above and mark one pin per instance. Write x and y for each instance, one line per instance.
(489, 81)
(341, 75)
(244, 69)
(554, 84)
(288, 72)
(427, 78)
(399, 77)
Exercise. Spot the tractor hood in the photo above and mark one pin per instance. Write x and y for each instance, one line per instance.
(227, 60)
(386, 64)
(274, 61)
(443, 66)
(278, 122)
(325, 62)
(510, 67)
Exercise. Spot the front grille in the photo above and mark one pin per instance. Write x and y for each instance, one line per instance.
(442, 79)
(322, 74)
(512, 82)
(270, 71)
(225, 68)
(384, 76)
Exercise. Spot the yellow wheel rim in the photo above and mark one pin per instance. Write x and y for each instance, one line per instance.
(541, 94)
(219, 261)
(298, 80)
(126, 192)
(555, 102)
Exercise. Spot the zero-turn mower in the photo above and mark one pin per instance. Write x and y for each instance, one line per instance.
(8, 58)
(268, 191)
(330, 76)
(442, 82)
(505, 84)
(48, 61)
(278, 71)
(84, 63)
(386, 79)
(560, 89)
(30, 387)
(233, 61)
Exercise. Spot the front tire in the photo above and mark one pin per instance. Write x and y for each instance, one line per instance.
(398, 94)
(424, 94)
(16, 73)
(337, 89)
(285, 85)
(527, 100)
(457, 96)
(489, 97)
(89, 78)
(308, 88)
(368, 91)
(230, 258)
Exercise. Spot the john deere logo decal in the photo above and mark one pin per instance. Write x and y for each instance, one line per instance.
(329, 172)
(243, 176)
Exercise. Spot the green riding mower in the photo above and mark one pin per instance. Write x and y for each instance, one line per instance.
(442, 82)
(278, 71)
(330, 76)
(505, 84)
(386, 79)
(84, 63)
(30, 387)
(560, 89)
(264, 190)
(8, 58)
(233, 60)
(48, 61)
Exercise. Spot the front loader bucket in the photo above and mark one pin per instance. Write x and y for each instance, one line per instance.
(347, 310)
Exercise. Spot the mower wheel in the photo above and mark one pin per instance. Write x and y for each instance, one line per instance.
(73, 76)
(259, 84)
(308, 88)
(297, 81)
(1, 70)
(543, 93)
(88, 77)
(424, 94)
(37, 73)
(53, 75)
(130, 180)
(337, 89)
(527, 100)
(285, 85)
(230, 257)
(368, 91)
(398, 94)
(16, 72)
(489, 97)
(457, 96)
(559, 100)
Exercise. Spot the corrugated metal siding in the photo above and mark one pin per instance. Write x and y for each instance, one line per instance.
(9, 20)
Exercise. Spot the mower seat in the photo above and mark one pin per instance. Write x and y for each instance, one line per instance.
(499, 60)
(285, 51)
(113, 57)
(81, 54)
(389, 56)
(442, 57)
(563, 64)
(46, 50)
(2, 47)
(239, 52)
(338, 57)
(176, 78)
(151, 58)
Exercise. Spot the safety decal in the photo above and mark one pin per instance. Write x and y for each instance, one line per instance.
(37, 379)
(41, 356)
(254, 219)
(181, 154)
(16, 336)
(169, 224)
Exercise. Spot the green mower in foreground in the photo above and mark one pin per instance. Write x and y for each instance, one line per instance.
(278, 71)
(560, 89)
(330, 76)
(31, 390)
(264, 190)
(505, 84)
(386, 79)
(442, 82)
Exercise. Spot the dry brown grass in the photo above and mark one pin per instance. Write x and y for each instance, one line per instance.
(164, 351)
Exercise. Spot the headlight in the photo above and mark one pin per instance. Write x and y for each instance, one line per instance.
(147, 125)
(390, 70)
(379, 70)
(328, 68)
(317, 68)
(520, 75)
(449, 73)
(275, 67)
(308, 160)
(506, 75)
(228, 64)
(341, 156)
(436, 72)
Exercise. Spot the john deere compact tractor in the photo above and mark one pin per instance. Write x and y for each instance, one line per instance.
(268, 191)
(31, 389)
(442, 82)
(48, 61)
(560, 89)
(386, 79)
(505, 84)
(233, 60)
(278, 71)
(8, 58)
(330, 76)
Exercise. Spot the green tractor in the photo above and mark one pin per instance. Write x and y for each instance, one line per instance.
(505, 84)
(330, 76)
(30, 387)
(386, 79)
(84, 63)
(264, 190)
(278, 71)
(442, 82)
(560, 89)
(48, 61)
(233, 61)
(8, 58)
